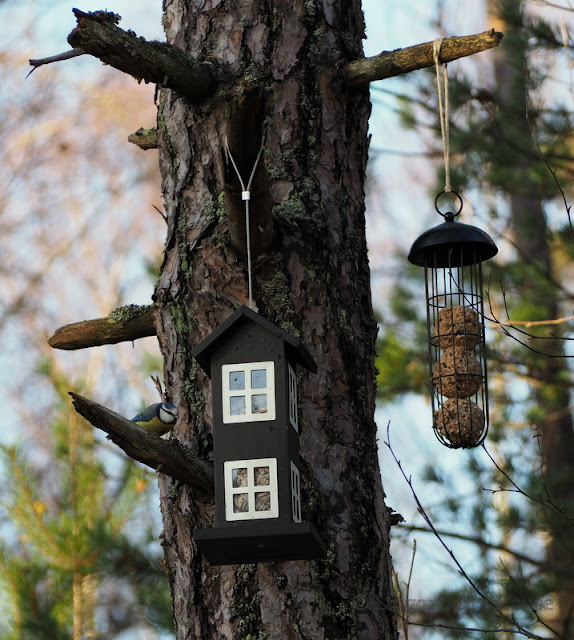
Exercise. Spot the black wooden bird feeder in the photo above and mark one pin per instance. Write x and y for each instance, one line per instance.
(452, 254)
(252, 364)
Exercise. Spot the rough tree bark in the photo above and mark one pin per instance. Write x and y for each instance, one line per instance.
(314, 281)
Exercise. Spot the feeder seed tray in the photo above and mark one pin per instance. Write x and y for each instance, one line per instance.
(456, 326)
(460, 422)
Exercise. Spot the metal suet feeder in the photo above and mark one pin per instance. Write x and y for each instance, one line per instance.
(452, 254)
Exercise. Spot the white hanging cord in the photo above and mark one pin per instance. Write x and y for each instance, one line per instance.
(443, 110)
(246, 197)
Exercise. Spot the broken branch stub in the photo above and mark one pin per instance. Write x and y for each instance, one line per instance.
(97, 33)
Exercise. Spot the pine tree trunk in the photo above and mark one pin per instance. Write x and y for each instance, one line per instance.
(284, 59)
(532, 238)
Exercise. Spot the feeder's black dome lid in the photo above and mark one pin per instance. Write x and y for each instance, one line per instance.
(452, 244)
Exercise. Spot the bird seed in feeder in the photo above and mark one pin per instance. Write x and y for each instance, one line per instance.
(263, 501)
(457, 374)
(461, 422)
(456, 326)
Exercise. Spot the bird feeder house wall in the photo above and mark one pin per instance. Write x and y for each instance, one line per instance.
(252, 364)
(262, 358)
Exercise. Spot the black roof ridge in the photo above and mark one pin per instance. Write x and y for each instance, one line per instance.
(201, 351)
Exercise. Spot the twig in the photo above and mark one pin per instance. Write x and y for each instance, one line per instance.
(552, 5)
(161, 213)
(548, 503)
(404, 602)
(480, 543)
(532, 323)
(530, 605)
(402, 613)
(158, 386)
(543, 157)
(530, 336)
(72, 53)
(509, 619)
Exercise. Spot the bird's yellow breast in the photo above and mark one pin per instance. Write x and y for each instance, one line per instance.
(155, 426)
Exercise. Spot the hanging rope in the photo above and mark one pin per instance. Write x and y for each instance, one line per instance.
(246, 197)
(442, 89)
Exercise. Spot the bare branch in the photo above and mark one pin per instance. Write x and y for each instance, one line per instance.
(394, 63)
(533, 323)
(73, 53)
(124, 324)
(167, 456)
(544, 502)
(480, 542)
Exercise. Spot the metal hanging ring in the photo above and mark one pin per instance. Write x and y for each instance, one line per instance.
(449, 215)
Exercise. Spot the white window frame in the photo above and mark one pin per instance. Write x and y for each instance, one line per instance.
(293, 399)
(248, 392)
(295, 493)
(250, 489)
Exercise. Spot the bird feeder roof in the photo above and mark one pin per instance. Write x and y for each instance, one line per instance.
(202, 351)
(452, 244)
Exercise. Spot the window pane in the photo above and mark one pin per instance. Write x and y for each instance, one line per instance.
(237, 405)
(258, 379)
(240, 503)
(239, 477)
(263, 501)
(237, 380)
(259, 403)
(261, 475)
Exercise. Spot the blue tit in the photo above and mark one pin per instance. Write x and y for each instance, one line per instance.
(158, 418)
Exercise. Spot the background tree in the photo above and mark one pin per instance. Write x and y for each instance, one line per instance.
(70, 563)
(508, 138)
(55, 210)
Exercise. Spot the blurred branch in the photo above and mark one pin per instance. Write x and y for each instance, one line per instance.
(394, 63)
(166, 456)
(97, 33)
(532, 323)
(480, 542)
(544, 501)
(124, 324)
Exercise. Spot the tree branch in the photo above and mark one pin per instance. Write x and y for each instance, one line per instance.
(144, 138)
(394, 63)
(97, 33)
(483, 544)
(124, 324)
(66, 55)
(167, 456)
